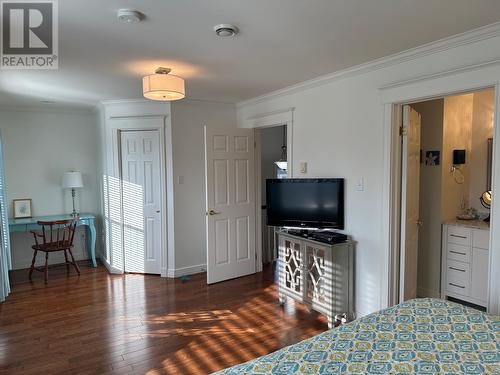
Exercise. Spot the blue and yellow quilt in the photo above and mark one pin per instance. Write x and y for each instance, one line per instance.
(421, 336)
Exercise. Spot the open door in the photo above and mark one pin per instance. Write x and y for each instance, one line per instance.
(410, 202)
(230, 203)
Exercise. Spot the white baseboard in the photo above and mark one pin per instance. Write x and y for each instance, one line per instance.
(428, 293)
(183, 271)
(110, 268)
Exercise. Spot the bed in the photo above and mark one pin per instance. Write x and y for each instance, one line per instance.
(424, 336)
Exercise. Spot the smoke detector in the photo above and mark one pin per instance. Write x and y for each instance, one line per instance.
(129, 16)
(225, 30)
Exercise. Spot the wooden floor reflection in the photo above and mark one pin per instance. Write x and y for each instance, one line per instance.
(133, 324)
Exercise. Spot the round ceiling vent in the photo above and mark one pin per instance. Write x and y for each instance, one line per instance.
(129, 16)
(225, 30)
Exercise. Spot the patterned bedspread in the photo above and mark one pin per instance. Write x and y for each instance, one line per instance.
(422, 336)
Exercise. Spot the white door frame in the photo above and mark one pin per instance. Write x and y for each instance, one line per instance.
(394, 97)
(268, 120)
(163, 125)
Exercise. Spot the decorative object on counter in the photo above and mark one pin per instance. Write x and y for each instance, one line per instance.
(486, 202)
(468, 214)
(432, 158)
(22, 208)
(73, 180)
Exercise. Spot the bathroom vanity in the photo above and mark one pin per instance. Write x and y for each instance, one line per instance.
(465, 261)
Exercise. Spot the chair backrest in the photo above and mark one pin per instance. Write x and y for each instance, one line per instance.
(58, 231)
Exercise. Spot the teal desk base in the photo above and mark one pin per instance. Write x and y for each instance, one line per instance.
(88, 220)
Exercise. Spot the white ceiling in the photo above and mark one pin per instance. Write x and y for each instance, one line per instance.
(281, 42)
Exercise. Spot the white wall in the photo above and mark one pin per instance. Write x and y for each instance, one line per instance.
(188, 121)
(482, 129)
(39, 146)
(457, 135)
(429, 239)
(339, 129)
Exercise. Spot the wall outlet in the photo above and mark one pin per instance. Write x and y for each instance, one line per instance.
(303, 167)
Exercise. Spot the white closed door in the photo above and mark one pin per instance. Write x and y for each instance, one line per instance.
(410, 200)
(140, 152)
(230, 203)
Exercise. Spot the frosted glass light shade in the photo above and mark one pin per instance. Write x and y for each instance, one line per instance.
(164, 87)
(282, 164)
(72, 180)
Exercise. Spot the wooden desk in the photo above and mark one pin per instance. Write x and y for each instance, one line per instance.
(88, 220)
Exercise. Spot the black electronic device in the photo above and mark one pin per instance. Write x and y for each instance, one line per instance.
(305, 203)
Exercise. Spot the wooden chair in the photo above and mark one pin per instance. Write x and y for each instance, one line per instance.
(56, 235)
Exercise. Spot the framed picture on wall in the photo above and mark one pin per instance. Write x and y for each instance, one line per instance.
(22, 208)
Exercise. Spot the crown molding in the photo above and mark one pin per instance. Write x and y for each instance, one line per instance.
(147, 101)
(441, 45)
(107, 102)
(54, 110)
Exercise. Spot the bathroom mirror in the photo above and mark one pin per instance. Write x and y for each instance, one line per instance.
(489, 164)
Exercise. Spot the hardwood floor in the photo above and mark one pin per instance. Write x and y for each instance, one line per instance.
(133, 324)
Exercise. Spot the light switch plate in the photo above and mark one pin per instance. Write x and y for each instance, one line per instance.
(180, 180)
(303, 167)
(360, 186)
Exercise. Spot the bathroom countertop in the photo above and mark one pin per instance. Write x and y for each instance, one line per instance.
(475, 224)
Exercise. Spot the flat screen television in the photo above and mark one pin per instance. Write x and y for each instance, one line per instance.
(305, 202)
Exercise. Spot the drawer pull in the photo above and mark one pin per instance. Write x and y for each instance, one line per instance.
(457, 252)
(456, 269)
(457, 236)
(458, 286)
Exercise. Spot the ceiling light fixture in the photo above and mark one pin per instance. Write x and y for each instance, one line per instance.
(129, 16)
(225, 30)
(163, 86)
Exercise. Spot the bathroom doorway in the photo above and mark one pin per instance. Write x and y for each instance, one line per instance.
(446, 192)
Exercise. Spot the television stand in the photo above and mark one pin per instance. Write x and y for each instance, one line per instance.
(317, 274)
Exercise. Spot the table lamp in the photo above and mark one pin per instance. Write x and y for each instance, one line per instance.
(73, 180)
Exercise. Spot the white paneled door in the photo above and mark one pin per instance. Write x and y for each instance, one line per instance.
(410, 199)
(229, 156)
(140, 152)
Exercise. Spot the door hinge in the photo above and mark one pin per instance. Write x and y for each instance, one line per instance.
(254, 144)
(403, 131)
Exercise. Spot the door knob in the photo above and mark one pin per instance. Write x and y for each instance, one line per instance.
(212, 212)
(158, 211)
(420, 223)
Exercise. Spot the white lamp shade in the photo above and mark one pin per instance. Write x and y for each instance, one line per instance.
(281, 164)
(72, 180)
(164, 87)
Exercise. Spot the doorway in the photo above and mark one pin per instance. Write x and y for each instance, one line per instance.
(273, 160)
(445, 174)
(141, 195)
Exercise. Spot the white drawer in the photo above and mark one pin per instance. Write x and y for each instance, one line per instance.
(459, 235)
(481, 238)
(458, 277)
(458, 252)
